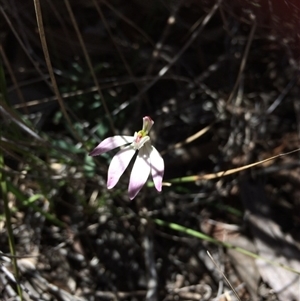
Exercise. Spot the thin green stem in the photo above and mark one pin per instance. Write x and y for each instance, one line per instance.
(11, 241)
(205, 237)
(3, 186)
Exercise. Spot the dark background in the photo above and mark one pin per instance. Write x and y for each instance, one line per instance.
(232, 66)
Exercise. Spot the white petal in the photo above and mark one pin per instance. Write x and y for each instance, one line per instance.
(110, 143)
(140, 172)
(118, 165)
(157, 168)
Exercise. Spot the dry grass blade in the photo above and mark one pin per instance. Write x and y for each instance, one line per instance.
(165, 69)
(89, 62)
(13, 78)
(225, 172)
(99, 10)
(223, 275)
(15, 32)
(40, 24)
(244, 59)
(189, 139)
(11, 115)
(129, 22)
(159, 45)
(235, 170)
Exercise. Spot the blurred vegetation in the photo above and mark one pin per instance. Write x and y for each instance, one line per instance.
(230, 66)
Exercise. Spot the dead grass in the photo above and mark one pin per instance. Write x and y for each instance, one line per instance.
(229, 67)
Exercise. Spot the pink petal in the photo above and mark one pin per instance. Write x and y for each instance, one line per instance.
(140, 172)
(110, 143)
(157, 168)
(118, 165)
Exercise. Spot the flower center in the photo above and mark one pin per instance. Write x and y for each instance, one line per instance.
(140, 138)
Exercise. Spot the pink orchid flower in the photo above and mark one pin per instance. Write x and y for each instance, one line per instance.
(148, 159)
